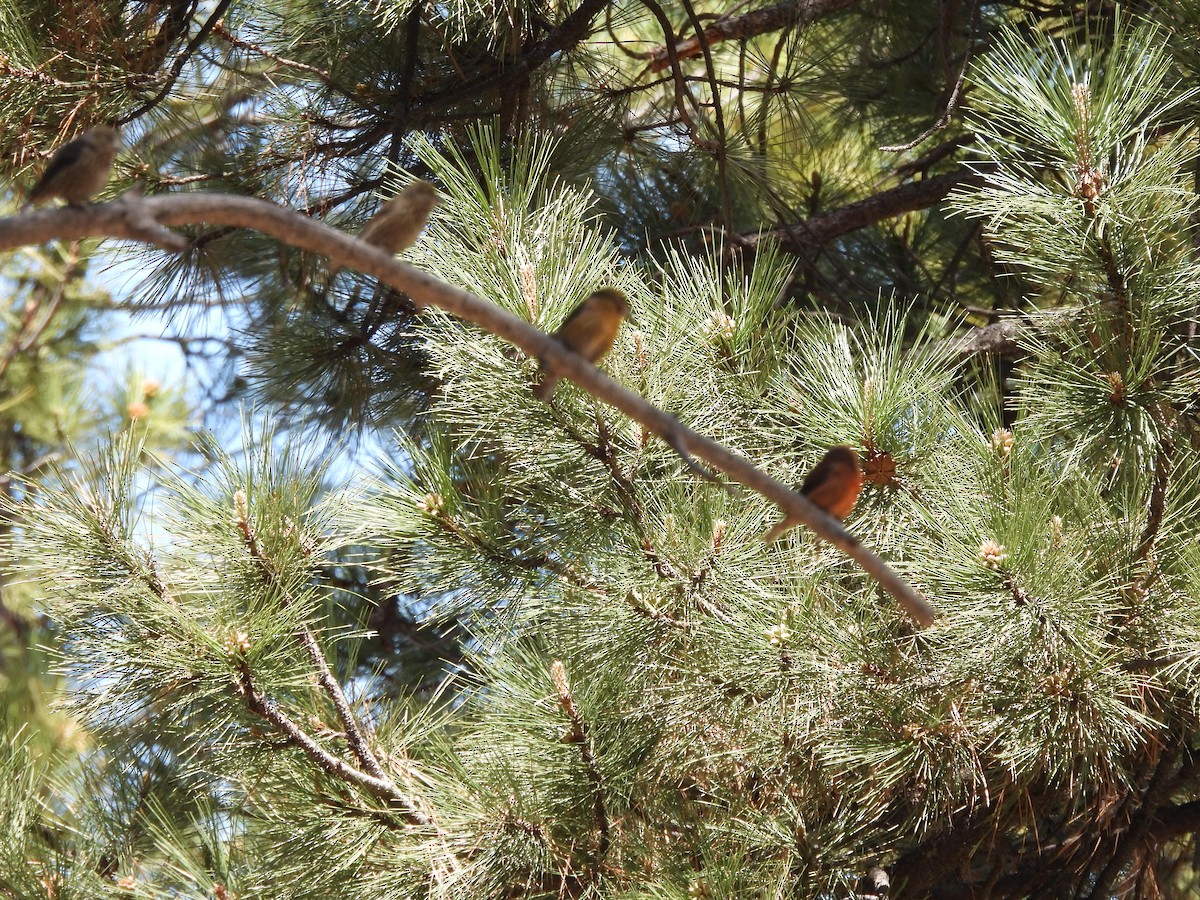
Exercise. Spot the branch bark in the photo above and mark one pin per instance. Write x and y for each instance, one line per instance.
(125, 218)
(308, 641)
(815, 231)
(761, 21)
(383, 788)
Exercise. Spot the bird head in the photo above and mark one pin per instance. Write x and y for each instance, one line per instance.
(106, 137)
(616, 298)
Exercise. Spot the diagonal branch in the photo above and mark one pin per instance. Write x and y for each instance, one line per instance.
(115, 220)
(180, 62)
(569, 32)
(815, 231)
(306, 639)
(752, 24)
(383, 788)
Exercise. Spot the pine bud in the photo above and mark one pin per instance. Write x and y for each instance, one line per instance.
(992, 554)
(779, 635)
(1002, 442)
(720, 527)
(241, 507)
(237, 643)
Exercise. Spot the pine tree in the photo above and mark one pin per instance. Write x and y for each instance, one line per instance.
(617, 688)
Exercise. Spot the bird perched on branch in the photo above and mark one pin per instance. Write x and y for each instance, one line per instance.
(79, 169)
(399, 221)
(833, 485)
(589, 330)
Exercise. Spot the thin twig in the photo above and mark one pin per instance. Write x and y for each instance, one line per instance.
(180, 61)
(221, 31)
(952, 101)
(304, 635)
(720, 147)
(579, 736)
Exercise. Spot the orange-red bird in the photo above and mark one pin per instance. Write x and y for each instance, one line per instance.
(589, 330)
(833, 485)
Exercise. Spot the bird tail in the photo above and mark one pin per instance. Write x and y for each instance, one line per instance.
(779, 528)
(544, 389)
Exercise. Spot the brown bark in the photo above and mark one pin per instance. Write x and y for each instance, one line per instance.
(814, 232)
(761, 21)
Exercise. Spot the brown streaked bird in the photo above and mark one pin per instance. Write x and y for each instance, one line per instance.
(400, 220)
(833, 485)
(589, 330)
(79, 169)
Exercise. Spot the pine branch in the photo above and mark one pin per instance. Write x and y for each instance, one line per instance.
(580, 737)
(383, 788)
(1158, 492)
(304, 635)
(525, 562)
(815, 231)
(127, 218)
(740, 28)
(955, 92)
(573, 29)
(1157, 793)
(321, 75)
(180, 62)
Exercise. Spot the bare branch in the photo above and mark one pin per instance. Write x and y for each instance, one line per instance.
(955, 92)
(761, 21)
(817, 230)
(117, 220)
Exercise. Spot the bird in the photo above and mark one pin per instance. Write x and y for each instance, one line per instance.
(589, 331)
(400, 220)
(79, 169)
(833, 485)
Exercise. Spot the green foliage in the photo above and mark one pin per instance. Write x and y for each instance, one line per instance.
(632, 695)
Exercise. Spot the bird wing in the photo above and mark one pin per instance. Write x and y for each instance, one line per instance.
(575, 314)
(67, 156)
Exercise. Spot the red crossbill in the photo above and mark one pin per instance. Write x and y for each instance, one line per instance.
(589, 330)
(833, 485)
(79, 169)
